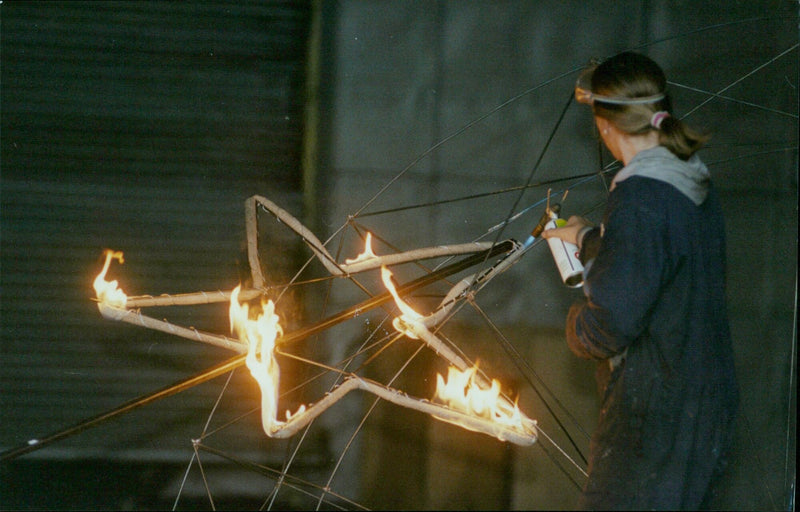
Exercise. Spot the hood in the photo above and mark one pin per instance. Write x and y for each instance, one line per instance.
(690, 177)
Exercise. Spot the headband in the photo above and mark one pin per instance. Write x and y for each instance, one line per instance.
(584, 94)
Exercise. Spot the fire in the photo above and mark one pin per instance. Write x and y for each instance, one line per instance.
(408, 314)
(260, 335)
(366, 255)
(463, 393)
(108, 292)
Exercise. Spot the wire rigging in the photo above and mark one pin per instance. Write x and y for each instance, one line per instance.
(515, 356)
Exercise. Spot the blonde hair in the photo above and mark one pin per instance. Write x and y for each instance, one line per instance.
(631, 75)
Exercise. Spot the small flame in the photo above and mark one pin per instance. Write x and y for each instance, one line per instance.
(408, 315)
(366, 255)
(463, 393)
(108, 292)
(260, 335)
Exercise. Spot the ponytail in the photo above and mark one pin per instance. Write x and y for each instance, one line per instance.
(679, 138)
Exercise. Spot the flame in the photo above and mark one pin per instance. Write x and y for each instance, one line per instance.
(108, 292)
(260, 335)
(463, 393)
(366, 255)
(408, 315)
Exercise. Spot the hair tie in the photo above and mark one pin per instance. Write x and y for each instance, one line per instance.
(658, 118)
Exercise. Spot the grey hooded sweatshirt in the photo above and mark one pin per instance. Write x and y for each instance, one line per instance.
(690, 177)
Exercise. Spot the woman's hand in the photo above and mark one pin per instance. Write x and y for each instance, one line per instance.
(569, 233)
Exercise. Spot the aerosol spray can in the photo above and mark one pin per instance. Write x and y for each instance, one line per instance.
(565, 255)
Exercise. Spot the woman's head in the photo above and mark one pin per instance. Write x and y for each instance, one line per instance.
(629, 91)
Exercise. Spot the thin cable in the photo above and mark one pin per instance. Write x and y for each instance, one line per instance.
(538, 160)
(526, 370)
(707, 28)
(559, 465)
(288, 463)
(203, 475)
(565, 454)
(183, 480)
(475, 196)
(752, 72)
(364, 419)
(792, 389)
(750, 155)
(734, 100)
(292, 481)
(203, 434)
(458, 132)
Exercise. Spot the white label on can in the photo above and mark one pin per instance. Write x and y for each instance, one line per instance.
(565, 255)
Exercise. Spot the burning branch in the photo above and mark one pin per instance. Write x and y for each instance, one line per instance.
(114, 305)
(354, 266)
(482, 408)
(465, 390)
(260, 335)
(483, 412)
(189, 299)
(523, 433)
(137, 318)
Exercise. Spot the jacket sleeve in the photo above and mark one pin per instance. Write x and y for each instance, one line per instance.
(590, 245)
(623, 282)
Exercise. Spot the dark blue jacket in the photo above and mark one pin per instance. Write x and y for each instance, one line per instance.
(655, 316)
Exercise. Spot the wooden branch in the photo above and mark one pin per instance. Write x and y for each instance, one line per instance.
(525, 435)
(325, 257)
(136, 318)
(188, 299)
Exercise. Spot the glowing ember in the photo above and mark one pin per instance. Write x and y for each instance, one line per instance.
(366, 255)
(462, 392)
(408, 314)
(260, 335)
(108, 292)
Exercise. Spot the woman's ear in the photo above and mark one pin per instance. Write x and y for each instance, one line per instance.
(602, 124)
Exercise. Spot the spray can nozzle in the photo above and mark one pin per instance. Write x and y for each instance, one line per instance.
(550, 213)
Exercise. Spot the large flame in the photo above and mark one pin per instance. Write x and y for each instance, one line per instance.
(108, 292)
(260, 335)
(462, 392)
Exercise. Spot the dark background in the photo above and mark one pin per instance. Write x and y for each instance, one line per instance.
(144, 126)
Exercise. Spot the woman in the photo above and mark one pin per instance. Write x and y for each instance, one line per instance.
(654, 313)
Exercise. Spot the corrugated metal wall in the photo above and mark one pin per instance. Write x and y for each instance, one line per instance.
(141, 127)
